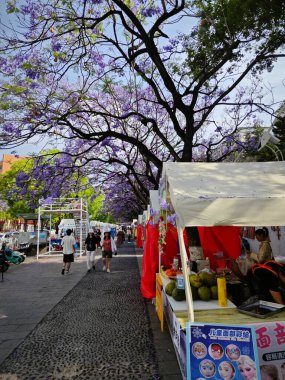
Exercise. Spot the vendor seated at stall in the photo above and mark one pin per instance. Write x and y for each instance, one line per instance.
(265, 251)
(269, 280)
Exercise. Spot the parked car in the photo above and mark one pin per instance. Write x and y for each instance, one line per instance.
(6, 236)
(44, 237)
(23, 241)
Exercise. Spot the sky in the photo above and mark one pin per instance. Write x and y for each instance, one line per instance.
(274, 79)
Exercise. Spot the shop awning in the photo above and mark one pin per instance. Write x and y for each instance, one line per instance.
(227, 194)
(31, 216)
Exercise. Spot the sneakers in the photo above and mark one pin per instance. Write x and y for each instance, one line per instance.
(104, 268)
(62, 271)
(67, 272)
(108, 270)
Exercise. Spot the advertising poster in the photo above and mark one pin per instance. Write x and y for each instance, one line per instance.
(176, 333)
(221, 352)
(270, 339)
(168, 313)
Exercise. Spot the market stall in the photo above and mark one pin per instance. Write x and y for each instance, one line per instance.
(221, 194)
(78, 208)
(139, 237)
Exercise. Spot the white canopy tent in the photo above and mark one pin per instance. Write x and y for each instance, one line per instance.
(144, 217)
(154, 200)
(224, 194)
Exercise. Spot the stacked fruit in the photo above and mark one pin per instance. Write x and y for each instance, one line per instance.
(172, 272)
(172, 290)
(204, 286)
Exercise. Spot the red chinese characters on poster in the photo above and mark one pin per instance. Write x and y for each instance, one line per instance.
(270, 340)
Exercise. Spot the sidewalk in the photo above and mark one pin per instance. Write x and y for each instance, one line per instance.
(81, 326)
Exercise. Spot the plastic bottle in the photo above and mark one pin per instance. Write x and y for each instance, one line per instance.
(222, 291)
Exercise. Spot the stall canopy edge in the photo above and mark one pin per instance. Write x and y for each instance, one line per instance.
(227, 194)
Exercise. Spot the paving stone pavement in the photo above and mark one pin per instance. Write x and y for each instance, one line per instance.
(99, 328)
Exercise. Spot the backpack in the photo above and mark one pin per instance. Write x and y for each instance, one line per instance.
(267, 265)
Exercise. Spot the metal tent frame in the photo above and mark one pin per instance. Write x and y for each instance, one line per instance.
(78, 207)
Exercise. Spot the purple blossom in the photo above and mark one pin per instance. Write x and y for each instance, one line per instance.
(164, 205)
(8, 128)
(24, 191)
(106, 141)
(47, 201)
(32, 74)
(168, 48)
(55, 44)
(21, 179)
(172, 219)
(149, 12)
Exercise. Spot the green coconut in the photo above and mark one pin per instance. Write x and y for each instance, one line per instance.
(195, 280)
(204, 293)
(214, 292)
(195, 295)
(169, 287)
(178, 294)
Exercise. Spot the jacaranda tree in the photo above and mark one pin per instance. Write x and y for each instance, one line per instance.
(174, 79)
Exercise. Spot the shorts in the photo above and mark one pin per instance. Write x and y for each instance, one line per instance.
(69, 258)
(107, 254)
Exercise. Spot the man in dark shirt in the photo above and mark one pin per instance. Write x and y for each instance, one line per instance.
(270, 281)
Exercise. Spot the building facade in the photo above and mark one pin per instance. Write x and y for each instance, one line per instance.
(7, 161)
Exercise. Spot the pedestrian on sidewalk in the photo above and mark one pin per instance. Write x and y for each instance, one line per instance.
(68, 243)
(129, 233)
(120, 237)
(108, 248)
(90, 249)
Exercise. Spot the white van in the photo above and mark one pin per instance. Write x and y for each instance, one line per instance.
(66, 224)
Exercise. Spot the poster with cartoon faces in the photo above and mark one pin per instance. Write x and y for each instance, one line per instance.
(199, 350)
(232, 352)
(216, 351)
(221, 352)
(226, 370)
(207, 368)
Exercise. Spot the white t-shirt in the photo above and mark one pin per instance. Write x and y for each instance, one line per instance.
(68, 243)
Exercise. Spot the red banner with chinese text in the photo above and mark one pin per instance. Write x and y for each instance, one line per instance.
(270, 340)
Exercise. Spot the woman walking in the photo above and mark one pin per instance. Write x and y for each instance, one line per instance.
(90, 248)
(108, 248)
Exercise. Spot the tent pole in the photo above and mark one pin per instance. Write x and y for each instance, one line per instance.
(81, 226)
(188, 292)
(49, 243)
(38, 241)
